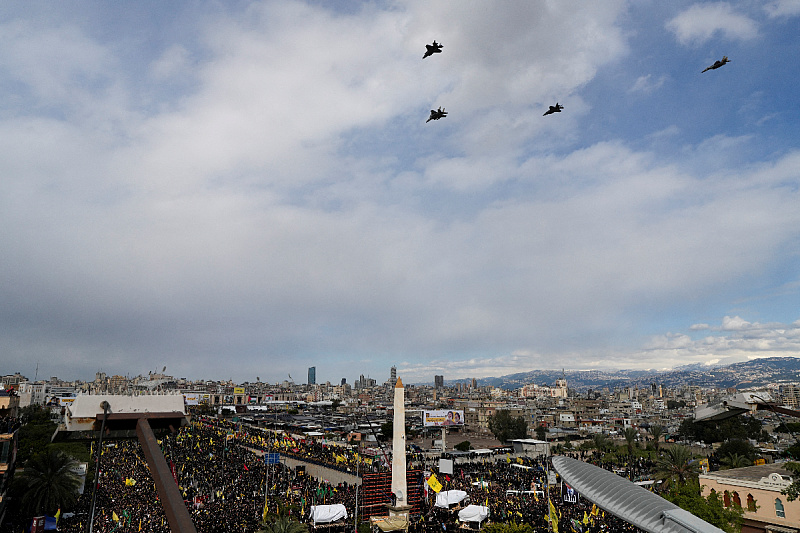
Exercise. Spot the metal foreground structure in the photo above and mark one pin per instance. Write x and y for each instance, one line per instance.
(628, 501)
(134, 423)
(740, 404)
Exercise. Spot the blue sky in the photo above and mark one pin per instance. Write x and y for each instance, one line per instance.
(242, 189)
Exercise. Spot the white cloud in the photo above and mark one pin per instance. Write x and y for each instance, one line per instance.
(646, 84)
(291, 203)
(783, 8)
(700, 22)
(735, 324)
(175, 61)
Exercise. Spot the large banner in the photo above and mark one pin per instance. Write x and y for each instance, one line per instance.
(191, 399)
(66, 400)
(442, 417)
(568, 493)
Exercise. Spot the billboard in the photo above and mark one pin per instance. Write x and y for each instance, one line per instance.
(443, 417)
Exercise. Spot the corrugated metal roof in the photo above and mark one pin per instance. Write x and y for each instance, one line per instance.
(628, 501)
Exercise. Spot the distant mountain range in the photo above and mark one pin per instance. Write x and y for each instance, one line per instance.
(748, 374)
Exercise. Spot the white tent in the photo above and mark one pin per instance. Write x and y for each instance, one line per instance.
(446, 498)
(473, 513)
(323, 514)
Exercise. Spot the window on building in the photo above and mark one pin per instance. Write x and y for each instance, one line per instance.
(779, 512)
(726, 499)
(751, 503)
(737, 501)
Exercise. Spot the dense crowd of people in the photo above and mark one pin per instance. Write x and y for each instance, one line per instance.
(220, 470)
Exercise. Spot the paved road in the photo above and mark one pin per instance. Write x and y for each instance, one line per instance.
(330, 475)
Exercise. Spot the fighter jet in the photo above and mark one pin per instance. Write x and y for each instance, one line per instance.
(553, 109)
(717, 64)
(436, 114)
(434, 48)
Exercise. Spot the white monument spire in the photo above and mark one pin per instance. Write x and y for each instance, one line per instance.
(399, 447)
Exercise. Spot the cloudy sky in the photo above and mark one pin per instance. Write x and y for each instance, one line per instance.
(238, 189)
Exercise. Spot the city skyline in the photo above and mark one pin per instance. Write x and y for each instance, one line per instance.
(251, 188)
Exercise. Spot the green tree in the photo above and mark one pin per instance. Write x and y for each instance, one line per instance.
(656, 432)
(541, 433)
(47, 483)
(508, 527)
(734, 428)
(738, 447)
(792, 491)
(463, 446)
(630, 438)
(601, 442)
(506, 427)
(675, 467)
(35, 432)
(283, 524)
(688, 496)
(675, 404)
(387, 431)
(793, 451)
(734, 460)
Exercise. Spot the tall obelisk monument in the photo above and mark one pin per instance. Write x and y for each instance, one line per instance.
(399, 488)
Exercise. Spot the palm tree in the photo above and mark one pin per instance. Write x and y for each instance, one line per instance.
(630, 438)
(283, 524)
(48, 483)
(600, 442)
(734, 460)
(676, 466)
(656, 432)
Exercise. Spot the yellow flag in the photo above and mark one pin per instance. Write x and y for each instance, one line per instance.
(58, 514)
(264, 514)
(585, 519)
(553, 517)
(434, 483)
(114, 516)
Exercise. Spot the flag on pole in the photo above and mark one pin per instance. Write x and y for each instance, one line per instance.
(553, 516)
(434, 483)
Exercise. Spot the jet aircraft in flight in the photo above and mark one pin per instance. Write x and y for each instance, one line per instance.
(434, 48)
(717, 64)
(436, 114)
(553, 109)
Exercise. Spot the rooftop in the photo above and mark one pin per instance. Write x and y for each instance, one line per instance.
(752, 473)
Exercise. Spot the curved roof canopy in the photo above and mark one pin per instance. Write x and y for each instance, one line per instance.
(627, 500)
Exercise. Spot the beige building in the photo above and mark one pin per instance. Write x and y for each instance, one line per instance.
(757, 489)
